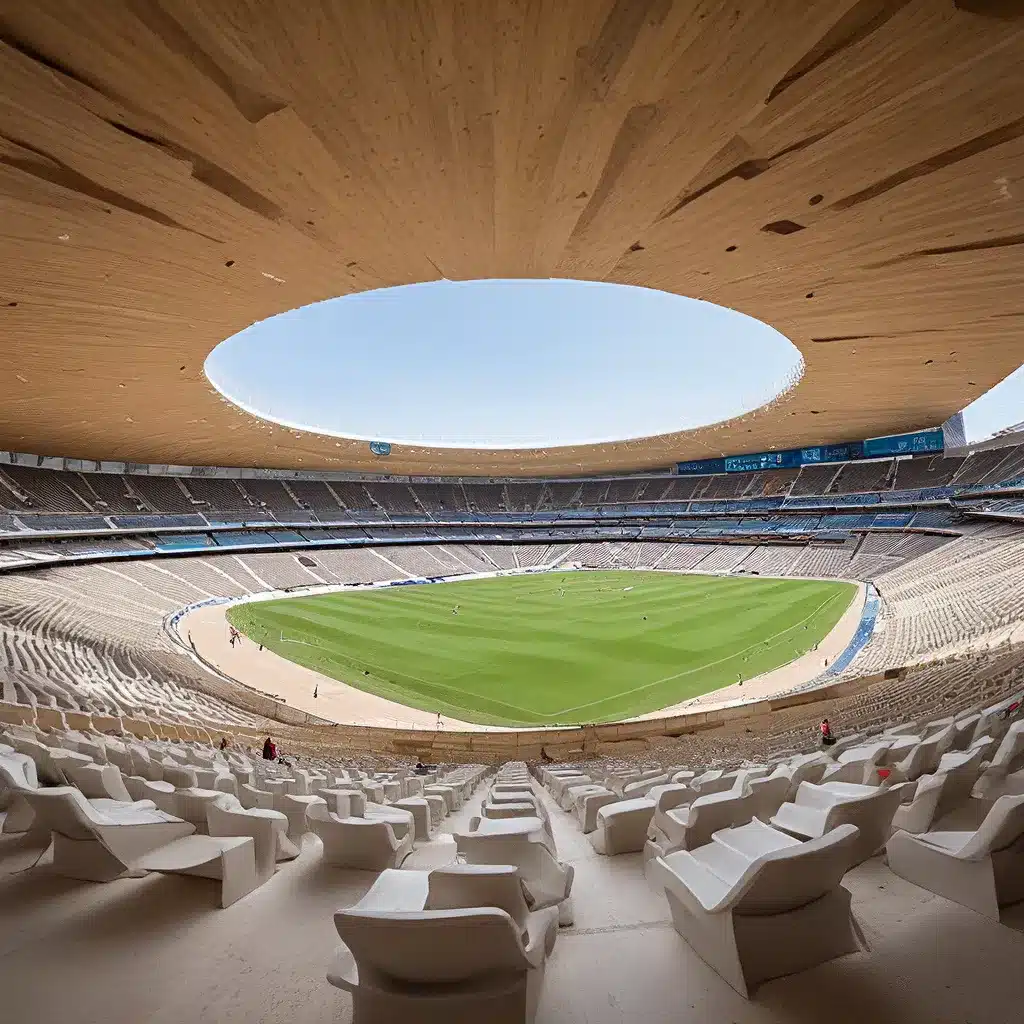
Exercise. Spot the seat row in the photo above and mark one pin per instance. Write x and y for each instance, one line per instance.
(751, 860)
(196, 810)
(468, 941)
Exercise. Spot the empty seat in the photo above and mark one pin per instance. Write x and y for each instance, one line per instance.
(756, 904)
(820, 809)
(981, 868)
(98, 846)
(936, 795)
(414, 950)
(523, 843)
(368, 844)
(267, 829)
(621, 827)
(688, 826)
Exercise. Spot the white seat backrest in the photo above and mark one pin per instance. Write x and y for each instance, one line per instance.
(63, 809)
(179, 777)
(13, 774)
(432, 946)
(1011, 746)
(1003, 825)
(461, 886)
(796, 875)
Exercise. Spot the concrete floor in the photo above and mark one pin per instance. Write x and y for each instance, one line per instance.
(157, 949)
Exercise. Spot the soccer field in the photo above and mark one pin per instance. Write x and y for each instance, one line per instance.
(554, 648)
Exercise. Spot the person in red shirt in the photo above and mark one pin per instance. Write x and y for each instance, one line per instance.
(827, 739)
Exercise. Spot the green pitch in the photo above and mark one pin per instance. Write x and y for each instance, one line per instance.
(554, 648)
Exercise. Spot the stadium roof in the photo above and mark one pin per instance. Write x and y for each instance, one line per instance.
(848, 172)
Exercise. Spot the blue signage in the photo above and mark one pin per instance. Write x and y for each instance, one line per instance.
(899, 444)
(701, 467)
(380, 448)
(905, 444)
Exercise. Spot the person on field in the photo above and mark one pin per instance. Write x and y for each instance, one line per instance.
(440, 722)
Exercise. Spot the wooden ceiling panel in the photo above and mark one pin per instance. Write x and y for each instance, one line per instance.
(173, 170)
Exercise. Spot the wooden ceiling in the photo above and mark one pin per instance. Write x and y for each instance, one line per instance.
(849, 171)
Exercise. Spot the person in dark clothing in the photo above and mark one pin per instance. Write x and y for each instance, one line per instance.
(223, 743)
(269, 750)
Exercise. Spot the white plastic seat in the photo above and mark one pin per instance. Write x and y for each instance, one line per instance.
(367, 844)
(571, 793)
(923, 758)
(621, 827)
(191, 804)
(98, 781)
(548, 881)
(438, 808)
(452, 796)
(1008, 759)
(819, 809)
(756, 904)
(534, 829)
(768, 794)
(508, 810)
(399, 818)
(445, 963)
(161, 793)
(560, 783)
(17, 778)
(267, 829)
(100, 845)
(64, 759)
(343, 802)
(936, 795)
(589, 803)
(688, 826)
(46, 768)
(981, 869)
(420, 810)
(180, 777)
(296, 808)
(643, 786)
(252, 796)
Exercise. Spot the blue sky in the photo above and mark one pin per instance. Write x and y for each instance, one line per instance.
(1002, 406)
(520, 364)
(504, 364)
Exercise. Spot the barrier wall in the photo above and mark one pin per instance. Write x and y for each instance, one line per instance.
(446, 746)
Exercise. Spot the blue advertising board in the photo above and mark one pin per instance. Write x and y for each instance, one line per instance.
(879, 447)
(905, 444)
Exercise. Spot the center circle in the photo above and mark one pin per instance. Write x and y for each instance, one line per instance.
(504, 364)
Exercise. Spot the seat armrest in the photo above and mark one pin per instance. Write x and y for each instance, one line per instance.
(343, 972)
(680, 871)
(541, 930)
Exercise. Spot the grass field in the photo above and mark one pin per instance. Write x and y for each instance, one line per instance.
(554, 648)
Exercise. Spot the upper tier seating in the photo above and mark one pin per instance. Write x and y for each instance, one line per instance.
(32, 490)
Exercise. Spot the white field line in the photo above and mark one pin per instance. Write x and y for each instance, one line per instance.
(699, 668)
